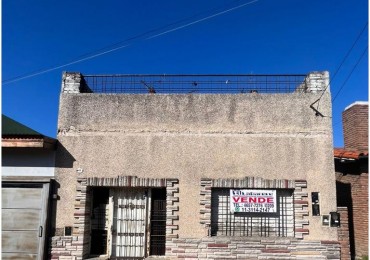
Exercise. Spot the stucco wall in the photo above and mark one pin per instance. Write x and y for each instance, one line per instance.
(196, 136)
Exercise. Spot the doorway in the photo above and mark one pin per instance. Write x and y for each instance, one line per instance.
(158, 222)
(128, 223)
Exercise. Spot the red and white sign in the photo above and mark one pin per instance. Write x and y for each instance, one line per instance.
(254, 201)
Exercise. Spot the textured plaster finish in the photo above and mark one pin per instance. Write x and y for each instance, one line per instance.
(210, 113)
(190, 137)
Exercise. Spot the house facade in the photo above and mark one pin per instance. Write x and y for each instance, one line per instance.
(241, 168)
(27, 172)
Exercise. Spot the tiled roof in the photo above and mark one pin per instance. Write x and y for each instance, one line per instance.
(348, 154)
(10, 127)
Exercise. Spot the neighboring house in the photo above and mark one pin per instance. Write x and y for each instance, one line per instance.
(227, 166)
(27, 169)
(351, 167)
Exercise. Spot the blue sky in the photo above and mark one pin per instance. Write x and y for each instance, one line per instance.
(264, 37)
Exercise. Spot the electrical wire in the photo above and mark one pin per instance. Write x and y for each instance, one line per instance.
(336, 72)
(350, 74)
(124, 44)
(114, 45)
(203, 19)
(345, 58)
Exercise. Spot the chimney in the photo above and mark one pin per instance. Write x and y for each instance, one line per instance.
(355, 126)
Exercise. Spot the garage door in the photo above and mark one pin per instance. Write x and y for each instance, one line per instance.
(23, 220)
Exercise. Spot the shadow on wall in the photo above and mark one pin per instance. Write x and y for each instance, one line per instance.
(27, 157)
(35, 157)
(63, 158)
(344, 199)
(53, 206)
(348, 167)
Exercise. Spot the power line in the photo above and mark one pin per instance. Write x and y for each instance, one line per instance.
(62, 66)
(203, 19)
(113, 46)
(349, 51)
(345, 58)
(124, 44)
(349, 75)
(336, 71)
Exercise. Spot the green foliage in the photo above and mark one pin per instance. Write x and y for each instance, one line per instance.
(365, 257)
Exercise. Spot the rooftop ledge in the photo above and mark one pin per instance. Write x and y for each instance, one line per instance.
(75, 82)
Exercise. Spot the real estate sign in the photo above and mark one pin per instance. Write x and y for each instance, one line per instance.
(256, 201)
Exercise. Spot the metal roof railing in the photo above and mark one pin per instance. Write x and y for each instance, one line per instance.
(185, 84)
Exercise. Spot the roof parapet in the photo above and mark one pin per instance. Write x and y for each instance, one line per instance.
(314, 82)
(73, 82)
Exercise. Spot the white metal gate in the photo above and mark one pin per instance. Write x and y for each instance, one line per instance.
(129, 223)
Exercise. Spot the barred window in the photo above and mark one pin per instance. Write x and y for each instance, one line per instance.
(225, 223)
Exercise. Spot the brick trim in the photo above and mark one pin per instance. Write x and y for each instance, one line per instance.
(300, 198)
(300, 209)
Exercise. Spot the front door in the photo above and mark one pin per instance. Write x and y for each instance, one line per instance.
(129, 223)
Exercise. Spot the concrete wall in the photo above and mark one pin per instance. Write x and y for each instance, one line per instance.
(196, 136)
(27, 162)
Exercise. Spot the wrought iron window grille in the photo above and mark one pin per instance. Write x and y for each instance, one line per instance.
(225, 223)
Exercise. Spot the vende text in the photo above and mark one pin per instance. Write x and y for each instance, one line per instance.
(252, 200)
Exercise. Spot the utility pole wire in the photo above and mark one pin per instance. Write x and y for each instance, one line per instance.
(203, 19)
(113, 46)
(349, 75)
(64, 65)
(345, 58)
(112, 49)
(335, 73)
